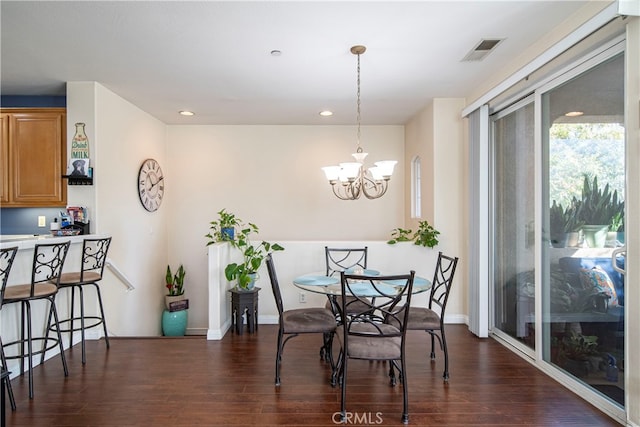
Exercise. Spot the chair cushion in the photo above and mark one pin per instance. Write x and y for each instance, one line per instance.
(22, 292)
(375, 347)
(423, 318)
(308, 320)
(74, 277)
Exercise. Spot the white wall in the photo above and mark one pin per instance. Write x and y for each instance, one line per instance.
(271, 176)
(121, 136)
(437, 134)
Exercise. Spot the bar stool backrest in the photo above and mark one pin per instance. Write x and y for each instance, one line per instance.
(7, 256)
(48, 260)
(94, 257)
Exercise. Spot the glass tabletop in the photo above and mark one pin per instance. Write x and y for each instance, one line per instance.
(330, 285)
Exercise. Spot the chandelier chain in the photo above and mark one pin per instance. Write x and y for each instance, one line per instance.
(359, 148)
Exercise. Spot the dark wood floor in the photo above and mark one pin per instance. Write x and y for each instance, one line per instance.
(191, 381)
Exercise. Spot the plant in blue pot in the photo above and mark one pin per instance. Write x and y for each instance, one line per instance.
(175, 317)
(223, 229)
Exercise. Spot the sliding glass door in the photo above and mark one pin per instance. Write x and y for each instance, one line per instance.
(558, 295)
(583, 192)
(514, 223)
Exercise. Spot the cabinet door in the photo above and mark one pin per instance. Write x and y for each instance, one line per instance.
(4, 158)
(37, 150)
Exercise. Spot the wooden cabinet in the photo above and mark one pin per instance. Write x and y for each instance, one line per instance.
(33, 157)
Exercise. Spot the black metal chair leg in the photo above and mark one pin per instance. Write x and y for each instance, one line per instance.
(62, 356)
(279, 356)
(72, 314)
(84, 357)
(30, 349)
(104, 321)
(405, 392)
(7, 380)
(445, 375)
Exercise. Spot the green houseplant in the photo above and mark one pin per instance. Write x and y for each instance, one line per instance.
(562, 222)
(597, 210)
(425, 235)
(245, 273)
(175, 282)
(223, 229)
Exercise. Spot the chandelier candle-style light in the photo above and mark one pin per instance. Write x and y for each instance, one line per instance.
(350, 180)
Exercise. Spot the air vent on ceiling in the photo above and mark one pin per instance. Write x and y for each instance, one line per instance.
(482, 49)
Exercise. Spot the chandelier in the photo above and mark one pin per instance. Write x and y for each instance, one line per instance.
(350, 180)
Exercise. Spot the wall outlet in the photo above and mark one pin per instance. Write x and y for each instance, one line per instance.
(302, 297)
(42, 221)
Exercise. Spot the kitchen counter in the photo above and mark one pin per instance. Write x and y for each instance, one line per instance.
(28, 241)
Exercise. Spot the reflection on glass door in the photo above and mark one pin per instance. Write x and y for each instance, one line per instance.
(583, 213)
(513, 223)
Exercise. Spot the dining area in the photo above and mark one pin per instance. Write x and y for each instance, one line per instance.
(368, 313)
(357, 305)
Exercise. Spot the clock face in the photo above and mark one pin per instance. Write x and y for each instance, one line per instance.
(150, 185)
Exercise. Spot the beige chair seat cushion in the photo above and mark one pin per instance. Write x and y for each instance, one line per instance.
(74, 277)
(421, 318)
(22, 292)
(372, 347)
(308, 320)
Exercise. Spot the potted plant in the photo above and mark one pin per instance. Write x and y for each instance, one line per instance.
(596, 211)
(556, 225)
(426, 235)
(175, 286)
(563, 224)
(576, 350)
(223, 230)
(174, 318)
(245, 273)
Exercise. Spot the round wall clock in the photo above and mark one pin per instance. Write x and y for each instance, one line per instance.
(150, 185)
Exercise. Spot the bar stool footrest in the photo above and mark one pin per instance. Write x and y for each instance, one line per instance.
(97, 322)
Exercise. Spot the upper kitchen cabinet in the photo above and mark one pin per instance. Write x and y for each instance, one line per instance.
(33, 157)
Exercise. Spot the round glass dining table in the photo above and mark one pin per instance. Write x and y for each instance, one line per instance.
(330, 285)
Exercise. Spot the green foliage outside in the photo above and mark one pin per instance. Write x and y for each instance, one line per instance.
(580, 149)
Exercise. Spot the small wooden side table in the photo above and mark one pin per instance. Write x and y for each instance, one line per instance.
(244, 302)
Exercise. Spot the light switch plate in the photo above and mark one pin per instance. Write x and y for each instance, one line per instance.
(42, 221)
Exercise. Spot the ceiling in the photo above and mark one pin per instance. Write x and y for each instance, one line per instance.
(214, 57)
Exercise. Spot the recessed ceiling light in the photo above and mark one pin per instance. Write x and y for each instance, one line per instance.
(326, 113)
(276, 52)
(187, 113)
(574, 113)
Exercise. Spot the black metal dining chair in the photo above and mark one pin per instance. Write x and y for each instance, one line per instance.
(377, 331)
(337, 261)
(48, 260)
(7, 255)
(298, 321)
(431, 318)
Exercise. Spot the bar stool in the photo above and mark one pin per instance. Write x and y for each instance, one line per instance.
(48, 260)
(94, 258)
(7, 256)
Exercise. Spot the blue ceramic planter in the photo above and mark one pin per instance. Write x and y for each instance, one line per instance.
(174, 323)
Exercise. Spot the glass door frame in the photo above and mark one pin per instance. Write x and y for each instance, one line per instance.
(574, 69)
(521, 347)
